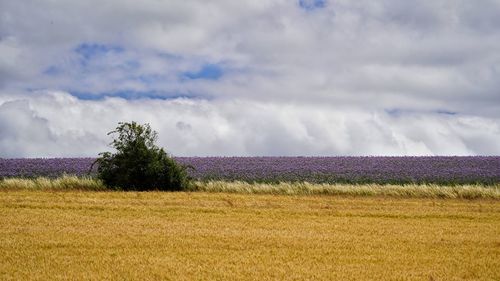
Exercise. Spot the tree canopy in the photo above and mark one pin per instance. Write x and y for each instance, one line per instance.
(138, 163)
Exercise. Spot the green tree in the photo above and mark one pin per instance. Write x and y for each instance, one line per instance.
(138, 163)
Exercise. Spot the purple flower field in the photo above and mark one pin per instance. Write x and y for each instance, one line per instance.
(442, 170)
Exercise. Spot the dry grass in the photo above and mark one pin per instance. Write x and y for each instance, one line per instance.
(221, 236)
(62, 183)
(404, 191)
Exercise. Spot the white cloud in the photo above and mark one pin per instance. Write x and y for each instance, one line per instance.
(57, 124)
(324, 78)
(23, 132)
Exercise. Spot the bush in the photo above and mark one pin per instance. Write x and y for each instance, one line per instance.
(138, 163)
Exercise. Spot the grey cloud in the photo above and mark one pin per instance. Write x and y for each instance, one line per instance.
(20, 129)
(480, 17)
(183, 126)
(351, 56)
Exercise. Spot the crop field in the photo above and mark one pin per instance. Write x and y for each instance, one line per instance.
(256, 218)
(382, 170)
(213, 236)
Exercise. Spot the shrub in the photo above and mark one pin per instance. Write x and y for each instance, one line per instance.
(138, 163)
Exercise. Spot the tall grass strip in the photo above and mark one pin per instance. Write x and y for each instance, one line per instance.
(403, 191)
(62, 183)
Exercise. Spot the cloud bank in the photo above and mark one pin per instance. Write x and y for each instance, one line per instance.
(249, 78)
(58, 124)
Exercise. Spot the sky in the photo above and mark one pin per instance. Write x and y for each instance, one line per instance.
(252, 77)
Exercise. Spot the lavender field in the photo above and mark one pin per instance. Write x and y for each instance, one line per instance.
(441, 170)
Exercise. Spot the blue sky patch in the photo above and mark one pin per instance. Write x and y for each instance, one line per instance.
(150, 79)
(90, 50)
(131, 65)
(169, 56)
(133, 95)
(394, 111)
(208, 71)
(312, 4)
(52, 70)
(446, 112)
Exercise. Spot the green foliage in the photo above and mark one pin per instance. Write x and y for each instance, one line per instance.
(138, 163)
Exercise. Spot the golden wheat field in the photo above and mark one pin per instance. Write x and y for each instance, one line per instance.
(75, 235)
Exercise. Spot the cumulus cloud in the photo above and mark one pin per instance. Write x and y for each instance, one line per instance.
(58, 124)
(24, 133)
(248, 77)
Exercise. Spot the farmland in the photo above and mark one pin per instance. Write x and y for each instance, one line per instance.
(258, 218)
(207, 236)
(355, 170)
